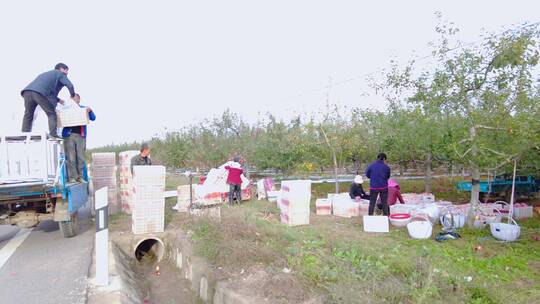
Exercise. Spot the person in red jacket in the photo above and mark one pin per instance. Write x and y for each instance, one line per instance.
(234, 179)
(394, 193)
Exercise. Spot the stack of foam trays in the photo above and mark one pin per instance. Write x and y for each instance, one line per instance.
(148, 205)
(103, 173)
(294, 202)
(126, 179)
(183, 202)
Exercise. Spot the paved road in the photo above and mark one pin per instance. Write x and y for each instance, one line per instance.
(45, 267)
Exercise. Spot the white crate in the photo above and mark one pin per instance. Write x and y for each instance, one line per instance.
(295, 219)
(147, 211)
(149, 175)
(148, 192)
(323, 206)
(147, 226)
(103, 159)
(27, 156)
(291, 206)
(73, 116)
(183, 205)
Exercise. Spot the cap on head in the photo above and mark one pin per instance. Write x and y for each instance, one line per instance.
(60, 65)
(236, 159)
(381, 156)
(145, 146)
(358, 179)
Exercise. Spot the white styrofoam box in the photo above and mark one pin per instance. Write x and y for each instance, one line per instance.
(183, 192)
(296, 189)
(261, 191)
(412, 198)
(363, 209)
(403, 208)
(295, 219)
(148, 192)
(297, 205)
(344, 206)
(104, 159)
(28, 156)
(521, 212)
(182, 205)
(150, 209)
(149, 175)
(147, 226)
(376, 224)
(73, 116)
(323, 206)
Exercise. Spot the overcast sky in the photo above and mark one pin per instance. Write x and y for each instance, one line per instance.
(146, 65)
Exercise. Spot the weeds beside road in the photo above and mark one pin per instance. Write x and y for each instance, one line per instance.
(335, 257)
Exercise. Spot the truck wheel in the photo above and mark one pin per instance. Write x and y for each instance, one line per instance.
(69, 228)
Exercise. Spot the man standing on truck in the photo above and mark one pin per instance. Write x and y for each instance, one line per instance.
(378, 173)
(43, 91)
(142, 159)
(75, 145)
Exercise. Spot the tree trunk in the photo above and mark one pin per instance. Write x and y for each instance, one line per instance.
(475, 180)
(428, 173)
(334, 158)
(401, 169)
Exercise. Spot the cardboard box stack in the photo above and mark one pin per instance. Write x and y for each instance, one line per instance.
(103, 173)
(294, 202)
(148, 206)
(126, 179)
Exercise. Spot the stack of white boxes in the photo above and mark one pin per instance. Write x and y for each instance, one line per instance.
(126, 179)
(104, 175)
(294, 202)
(183, 202)
(148, 205)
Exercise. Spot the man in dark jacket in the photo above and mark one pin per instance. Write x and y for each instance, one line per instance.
(378, 173)
(142, 159)
(43, 91)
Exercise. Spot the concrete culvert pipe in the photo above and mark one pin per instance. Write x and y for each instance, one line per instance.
(149, 250)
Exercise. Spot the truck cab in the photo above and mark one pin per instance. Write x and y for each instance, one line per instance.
(33, 185)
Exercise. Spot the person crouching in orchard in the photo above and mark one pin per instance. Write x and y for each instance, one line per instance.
(357, 192)
(378, 173)
(234, 179)
(394, 193)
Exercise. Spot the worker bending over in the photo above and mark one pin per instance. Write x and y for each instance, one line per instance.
(75, 145)
(234, 179)
(43, 91)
